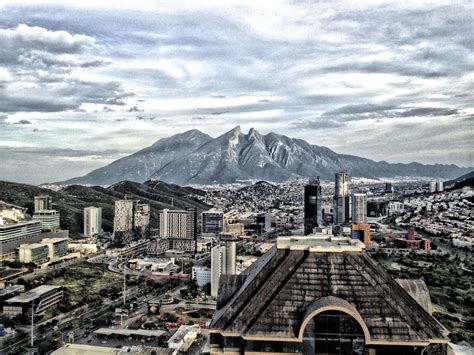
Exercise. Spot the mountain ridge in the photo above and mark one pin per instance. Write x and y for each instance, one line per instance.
(193, 157)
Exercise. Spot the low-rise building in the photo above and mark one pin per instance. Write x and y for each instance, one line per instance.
(49, 220)
(13, 234)
(56, 246)
(33, 253)
(183, 338)
(40, 298)
(201, 274)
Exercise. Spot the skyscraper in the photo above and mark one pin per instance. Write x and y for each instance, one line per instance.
(341, 198)
(312, 206)
(124, 220)
(191, 225)
(43, 203)
(141, 220)
(92, 221)
(359, 208)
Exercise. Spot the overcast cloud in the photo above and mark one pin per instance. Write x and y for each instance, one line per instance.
(86, 84)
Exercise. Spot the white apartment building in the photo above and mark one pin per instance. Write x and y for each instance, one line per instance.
(92, 221)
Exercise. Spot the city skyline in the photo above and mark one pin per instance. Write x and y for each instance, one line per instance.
(105, 80)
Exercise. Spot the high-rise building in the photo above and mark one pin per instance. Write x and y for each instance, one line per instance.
(173, 223)
(313, 216)
(191, 225)
(92, 221)
(264, 220)
(341, 198)
(124, 215)
(432, 186)
(322, 295)
(43, 203)
(213, 222)
(439, 186)
(223, 261)
(141, 220)
(359, 208)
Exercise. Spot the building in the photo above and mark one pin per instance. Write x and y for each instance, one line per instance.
(264, 221)
(361, 231)
(201, 274)
(41, 298)
(43, 203)
(173, 223)
(389, 188)
(359, 208)
(192, 225)
(341, 198)
(131, 220)
(160, 246)
(320, 295)
(124, 215)
(37, 253)
(234, 228)
(439, 186)
(223, 261)
(313, 215)
(213, 222)
(49, 220)
(56, 246)
(13, 234)
(183, 338)
(92, 221)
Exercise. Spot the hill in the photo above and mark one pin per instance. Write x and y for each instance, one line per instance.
(71, 200)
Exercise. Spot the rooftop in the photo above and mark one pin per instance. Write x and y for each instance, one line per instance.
(276, 297)
(31, 246)
(128, 332)
(32, 294)
(320, 243)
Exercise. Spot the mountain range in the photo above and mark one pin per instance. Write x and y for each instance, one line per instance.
(194, 157)
(71, 200)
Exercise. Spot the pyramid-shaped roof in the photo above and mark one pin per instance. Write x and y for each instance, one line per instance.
(299, 278)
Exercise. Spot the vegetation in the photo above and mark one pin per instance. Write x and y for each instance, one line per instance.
(449, 280)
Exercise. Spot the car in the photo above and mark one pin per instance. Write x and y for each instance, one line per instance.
(104, 341)
(89, 340)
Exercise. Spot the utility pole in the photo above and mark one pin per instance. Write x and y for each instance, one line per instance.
(32, 321)
(124, 294)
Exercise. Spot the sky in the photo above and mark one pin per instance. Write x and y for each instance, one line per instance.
(83, 83)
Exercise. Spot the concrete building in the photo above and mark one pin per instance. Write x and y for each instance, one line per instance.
(56, 246)
(124, 215)
(213, 221)
(234, 228)
(223, 261)
(341, 198)
(201, 274)
(141, 221)
(389, 188)
(359, 208)
(173, 223)
(433, 186)
(49, 220)
(321, 295)
(439, 186)
(313, 215)
(37, 253)
(183, 338)
(92, 221)
(43, 203)
(13, 234)
(42, 298)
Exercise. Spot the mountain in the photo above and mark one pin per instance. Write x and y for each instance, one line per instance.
(142, 164)
(195, 158)
(71, 200)
(460, 182)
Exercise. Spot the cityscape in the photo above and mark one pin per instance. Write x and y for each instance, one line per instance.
(187, 178)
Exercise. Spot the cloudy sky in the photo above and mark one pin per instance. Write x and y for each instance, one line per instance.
(86, 84)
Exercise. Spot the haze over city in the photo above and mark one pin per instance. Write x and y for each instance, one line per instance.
(84, 84)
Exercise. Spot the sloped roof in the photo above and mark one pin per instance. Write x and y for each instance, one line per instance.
(273, 298)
